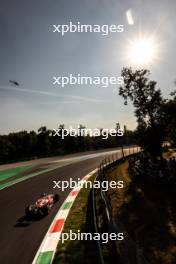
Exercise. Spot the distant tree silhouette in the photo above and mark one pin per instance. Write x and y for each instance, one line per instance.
(169, 119)
(43, 142)
(25, 145)
(147, 102)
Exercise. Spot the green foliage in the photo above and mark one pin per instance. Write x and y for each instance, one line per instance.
(142, 92)
(25, 145)
(147, 102)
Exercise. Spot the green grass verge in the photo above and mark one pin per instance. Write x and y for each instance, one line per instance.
(6, 174)
(77, 251)
(81, 218)
(146, 208)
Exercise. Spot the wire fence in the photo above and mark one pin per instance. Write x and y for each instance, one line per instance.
(128, 250)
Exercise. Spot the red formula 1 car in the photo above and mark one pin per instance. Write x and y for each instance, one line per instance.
(42, 206)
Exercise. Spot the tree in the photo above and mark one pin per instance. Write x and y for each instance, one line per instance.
(147, 101)
(169, 120)
(44, 144)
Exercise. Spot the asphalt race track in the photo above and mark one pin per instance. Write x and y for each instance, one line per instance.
(20, 239)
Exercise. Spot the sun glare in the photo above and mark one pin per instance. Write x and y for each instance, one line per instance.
(142, 51)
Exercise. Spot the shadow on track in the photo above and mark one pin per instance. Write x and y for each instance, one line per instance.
(25, 221)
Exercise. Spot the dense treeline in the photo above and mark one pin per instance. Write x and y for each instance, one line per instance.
(25, 145)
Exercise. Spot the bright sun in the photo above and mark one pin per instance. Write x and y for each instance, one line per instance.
(142, 51)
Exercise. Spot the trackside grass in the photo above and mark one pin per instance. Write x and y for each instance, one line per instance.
(146, 209)
(77, 251)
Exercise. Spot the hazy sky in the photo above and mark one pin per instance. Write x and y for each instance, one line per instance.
(31, 54)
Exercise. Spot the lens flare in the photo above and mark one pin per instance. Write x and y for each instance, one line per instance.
(142, 51)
